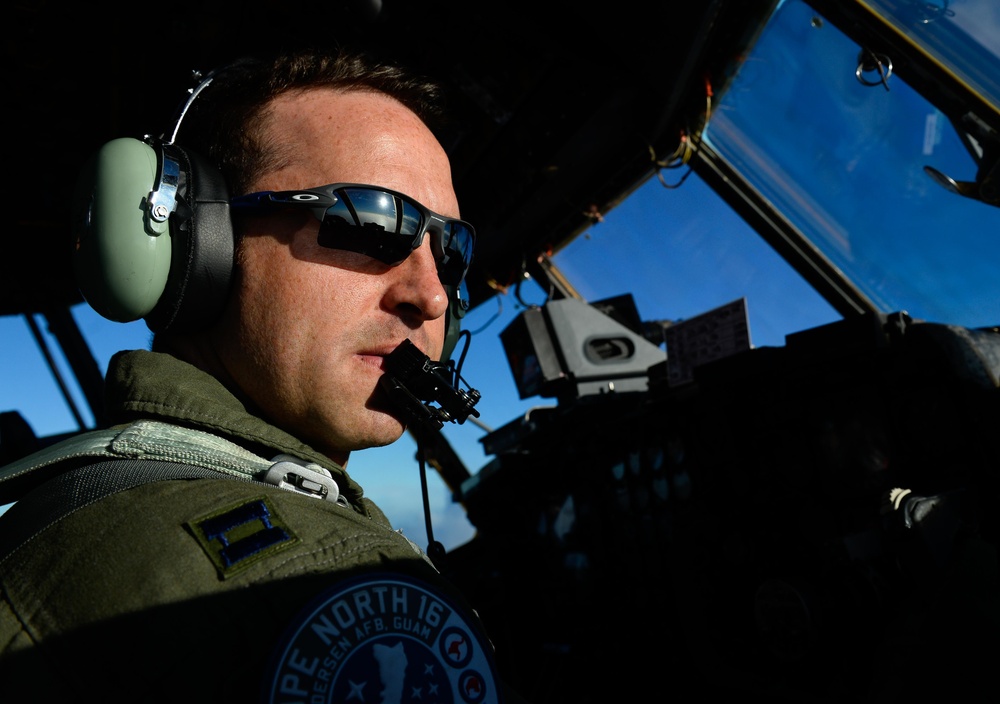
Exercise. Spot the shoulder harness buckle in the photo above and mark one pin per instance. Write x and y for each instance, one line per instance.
(291, 473)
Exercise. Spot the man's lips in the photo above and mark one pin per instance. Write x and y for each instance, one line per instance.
(375, 356)
(372, 359)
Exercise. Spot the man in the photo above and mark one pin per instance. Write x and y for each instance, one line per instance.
(203, 588)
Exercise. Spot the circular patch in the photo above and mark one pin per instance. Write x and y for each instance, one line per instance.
(382, 638)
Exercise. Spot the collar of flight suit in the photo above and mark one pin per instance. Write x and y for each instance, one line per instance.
(153, 385)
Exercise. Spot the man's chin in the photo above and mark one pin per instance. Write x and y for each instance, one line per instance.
(381, 403)
(386, 430)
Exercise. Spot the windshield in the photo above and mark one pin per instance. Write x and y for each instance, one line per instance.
(841, 153)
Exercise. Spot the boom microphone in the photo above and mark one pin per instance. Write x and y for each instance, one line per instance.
(413, 382)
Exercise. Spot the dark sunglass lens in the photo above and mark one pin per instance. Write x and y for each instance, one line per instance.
(457, 243)
(374, 209)
(371, 222)
(387, 227)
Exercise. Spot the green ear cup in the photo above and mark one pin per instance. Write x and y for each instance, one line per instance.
(122, 256)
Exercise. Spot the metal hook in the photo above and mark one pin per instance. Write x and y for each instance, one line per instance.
(869, 61)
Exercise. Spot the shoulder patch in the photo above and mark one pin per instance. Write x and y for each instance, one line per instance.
(382, 638)
(237, 537)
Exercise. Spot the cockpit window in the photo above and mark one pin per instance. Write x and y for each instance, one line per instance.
(840, 145)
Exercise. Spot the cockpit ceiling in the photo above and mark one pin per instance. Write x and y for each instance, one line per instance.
(559, 110)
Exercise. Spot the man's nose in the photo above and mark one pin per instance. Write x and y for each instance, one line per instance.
(417, 288)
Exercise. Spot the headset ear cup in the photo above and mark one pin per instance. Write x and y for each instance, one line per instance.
(202, 246)
(129, 265)
(122, 255)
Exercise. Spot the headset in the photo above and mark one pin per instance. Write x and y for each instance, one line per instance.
(154, 239)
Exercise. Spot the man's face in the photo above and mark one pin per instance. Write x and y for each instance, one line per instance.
(306, 333)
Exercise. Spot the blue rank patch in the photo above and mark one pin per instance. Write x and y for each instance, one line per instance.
(239, 536)
(382, 638)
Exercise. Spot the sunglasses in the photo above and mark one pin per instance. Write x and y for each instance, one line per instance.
(371, 220)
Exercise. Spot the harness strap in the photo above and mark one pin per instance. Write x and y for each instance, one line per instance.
(142, 440)
(78, 488)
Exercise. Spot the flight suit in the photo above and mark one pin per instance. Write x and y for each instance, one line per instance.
(221, 587)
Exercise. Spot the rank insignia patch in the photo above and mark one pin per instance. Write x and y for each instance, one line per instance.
(382, 638)
(241, 535)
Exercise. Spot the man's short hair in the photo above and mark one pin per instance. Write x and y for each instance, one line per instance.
(225, 122)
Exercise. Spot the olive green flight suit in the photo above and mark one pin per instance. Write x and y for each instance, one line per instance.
(192, 589)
